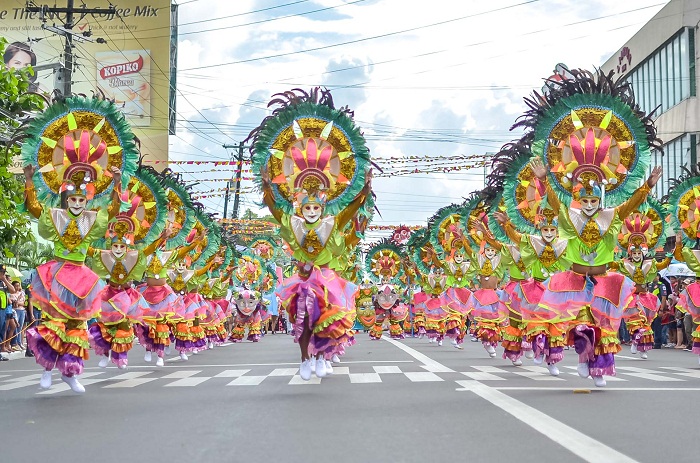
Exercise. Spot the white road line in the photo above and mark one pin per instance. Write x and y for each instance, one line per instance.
(247, 381)
(284, 372)
(130, 375)
(642, 389)
(296, 380)
(422, 376)
(586, 448)
(181, 374)
(481, 376)
(576, 442)
(386, 369)
(130, 382)
(428, 363)
(188, 382)
(607, 378)
(645, 373)
(684, 371)
(56, 388)
(232, 373)
(341, 371)
(364, 378)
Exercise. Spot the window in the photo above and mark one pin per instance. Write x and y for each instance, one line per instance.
(677, 154)
(667, 76)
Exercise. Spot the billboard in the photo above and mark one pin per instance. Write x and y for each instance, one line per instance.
(126, 56)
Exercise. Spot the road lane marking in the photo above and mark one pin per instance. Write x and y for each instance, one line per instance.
(364, 378)
(428, 363)
(386, 369)
(232, 373)
(576, 442)
(188, 382)
(581, 445)
(247, 381)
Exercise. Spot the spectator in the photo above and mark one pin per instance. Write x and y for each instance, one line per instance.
(19, 301)
(6, 289)
(661, 287)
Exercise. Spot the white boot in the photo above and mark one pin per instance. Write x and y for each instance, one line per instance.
(440, 342)
(329, 367)
(517, 363)
(305, 370)
(147, 356)
(431, 340)
(644, 355)
(320, 368)
(183, 356)
(490, 349)
(160, 362)
(104, 361)
(167, 350)
(553, 370)
(45, 381)
(72, 381)
(121, 366)
(335, 358)
(583, 370)
(537, 360)
(599, 381)
(312, 364)
(453, 341)
(529, 354)
(633, 348)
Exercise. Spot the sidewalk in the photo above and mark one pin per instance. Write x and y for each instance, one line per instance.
(12, 355)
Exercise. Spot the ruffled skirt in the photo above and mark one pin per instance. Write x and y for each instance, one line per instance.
(64, 290)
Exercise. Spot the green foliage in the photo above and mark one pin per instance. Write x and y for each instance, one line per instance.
(15, 103)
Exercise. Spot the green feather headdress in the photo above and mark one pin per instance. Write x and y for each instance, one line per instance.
(291, 146)
(683, 201)
(444, 227)
(590, 133)
(385, 256)
(146, 184)
(78, 131)
(181, 213)
(213, 238)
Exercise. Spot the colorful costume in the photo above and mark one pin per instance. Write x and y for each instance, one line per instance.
(314, 171)
(70, 144)
(683, 202)
(640, 233)
(250, 278)
(594, 145)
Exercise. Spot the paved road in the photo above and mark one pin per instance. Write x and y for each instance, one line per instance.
(388, 401)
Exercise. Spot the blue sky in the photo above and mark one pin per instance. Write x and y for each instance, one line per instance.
(452, 83)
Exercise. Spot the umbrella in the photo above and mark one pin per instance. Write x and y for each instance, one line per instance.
(677, 270)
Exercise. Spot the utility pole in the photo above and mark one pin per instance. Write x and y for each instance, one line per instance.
(66, 72)
(237, 187)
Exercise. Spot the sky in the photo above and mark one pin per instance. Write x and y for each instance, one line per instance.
(436, 78)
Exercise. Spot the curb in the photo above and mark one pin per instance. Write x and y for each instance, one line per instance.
(12, 355)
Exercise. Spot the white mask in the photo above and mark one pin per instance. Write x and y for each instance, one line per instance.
(590, 206)
(311, 212)
(549, 234)
(118, 250)
(76, 204)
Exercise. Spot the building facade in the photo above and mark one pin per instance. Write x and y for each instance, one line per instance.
(661, 62)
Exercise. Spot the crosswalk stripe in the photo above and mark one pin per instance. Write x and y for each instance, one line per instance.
(247, 381)
(188, 382)
(130, 382)
(231, 373)
(607, 378)
(482, 376)
(296, 379)
(56, 388)
(422, 376)
(684, 372)
(181, 374)
(284, 372)
(645, 373)
(386, 369)
(364, 378)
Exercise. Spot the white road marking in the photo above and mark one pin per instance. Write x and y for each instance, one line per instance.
(481, 376)
(645, 373)
(284, 372)
(422, 376)
(607, 378)
(341, 371)
(684, 371)
(386, 369)
(130, 382)
(181, 374)
(296, 379)
(586, 448)
(364, 378)
(232, 373)
(583, 446)
(428, 363)
(247, 381)
(593, 388)
(62, 387)
(130, 375)
(188, 382)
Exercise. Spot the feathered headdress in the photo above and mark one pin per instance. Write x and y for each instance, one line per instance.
(683, 200)
(147, 204)
(384, 262)
(312, 151)
(592, 136)
(447, 234)
(74, 143)
(181, 214)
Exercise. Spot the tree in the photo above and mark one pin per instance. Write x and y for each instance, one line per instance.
(15, 103)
